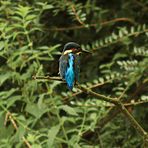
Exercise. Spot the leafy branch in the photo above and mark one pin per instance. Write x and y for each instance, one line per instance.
(113, 111)
(76, 15)
(122, 35)
(114, 101)
(9, 116)
(121, 107)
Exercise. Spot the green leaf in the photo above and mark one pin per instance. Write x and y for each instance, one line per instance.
(4, 77)
(22, 11)
(36, 146)
(52, 134)
(45, 7)
(35, 110)
(6, 94)
(20, 132)
(30, 17)
(144, 98)
(2, 45)
(12, 100)
(69, 110)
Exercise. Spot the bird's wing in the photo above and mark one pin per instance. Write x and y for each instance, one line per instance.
(63, 63)
(77, 67)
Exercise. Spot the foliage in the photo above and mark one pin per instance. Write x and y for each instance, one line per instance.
(32, 35)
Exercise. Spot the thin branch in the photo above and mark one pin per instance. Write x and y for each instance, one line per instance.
(133, 121)
(112, 105)
(114, 101)
(113, 111)
(10, 116)
(122, 108)
(145, 8)
(94, 86)
(136, 33)
(93, 25)
(124, 19)
(122, 94)
(47, 78)
(100, 96)
(136, 103)
(76, 15)
(80, 92)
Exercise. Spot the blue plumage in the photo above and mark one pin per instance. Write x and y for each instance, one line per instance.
(69, 64)
(69, 72)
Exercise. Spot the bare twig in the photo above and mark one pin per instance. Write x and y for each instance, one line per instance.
(100, 96)
(10, 116)
(113, 111)
(82, 26)
(80, 92)
(145, 8)
(136, 103)
(121, 107)
(47, 78)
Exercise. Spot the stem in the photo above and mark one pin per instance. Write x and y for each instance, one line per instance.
(115, 101)
(80, 92)
(133, 121)
(122, 108)
(29, 42)
(101, 97)
(47, 78)
(13, 122)
(63, 129)
(93, 25)
(64, 132)
(76, 15)
(82, 126)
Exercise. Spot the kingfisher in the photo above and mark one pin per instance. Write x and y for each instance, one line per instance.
(69, 64)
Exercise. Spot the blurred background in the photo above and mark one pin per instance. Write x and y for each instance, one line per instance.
(45, 114)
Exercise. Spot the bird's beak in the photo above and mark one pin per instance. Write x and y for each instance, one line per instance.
(85, 51)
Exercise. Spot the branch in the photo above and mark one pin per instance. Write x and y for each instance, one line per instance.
(10, 116)
(76, 15)
(122, 108)
(110, 105)
(113, 111)
(136, 103)
(145, 8)
(80, 92)
(93, 25)
(114, 101)
(100, 96)
(47, 78)
(94, 86)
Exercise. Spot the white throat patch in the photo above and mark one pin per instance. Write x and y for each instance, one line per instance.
(67, 51)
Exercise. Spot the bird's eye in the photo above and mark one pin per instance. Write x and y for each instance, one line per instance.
(73, 49)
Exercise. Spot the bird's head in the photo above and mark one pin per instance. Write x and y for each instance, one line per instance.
(72, 47)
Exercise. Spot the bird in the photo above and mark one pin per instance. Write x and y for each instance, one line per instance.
(69, 64)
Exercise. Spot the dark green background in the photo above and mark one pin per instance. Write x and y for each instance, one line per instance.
(32, 36)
